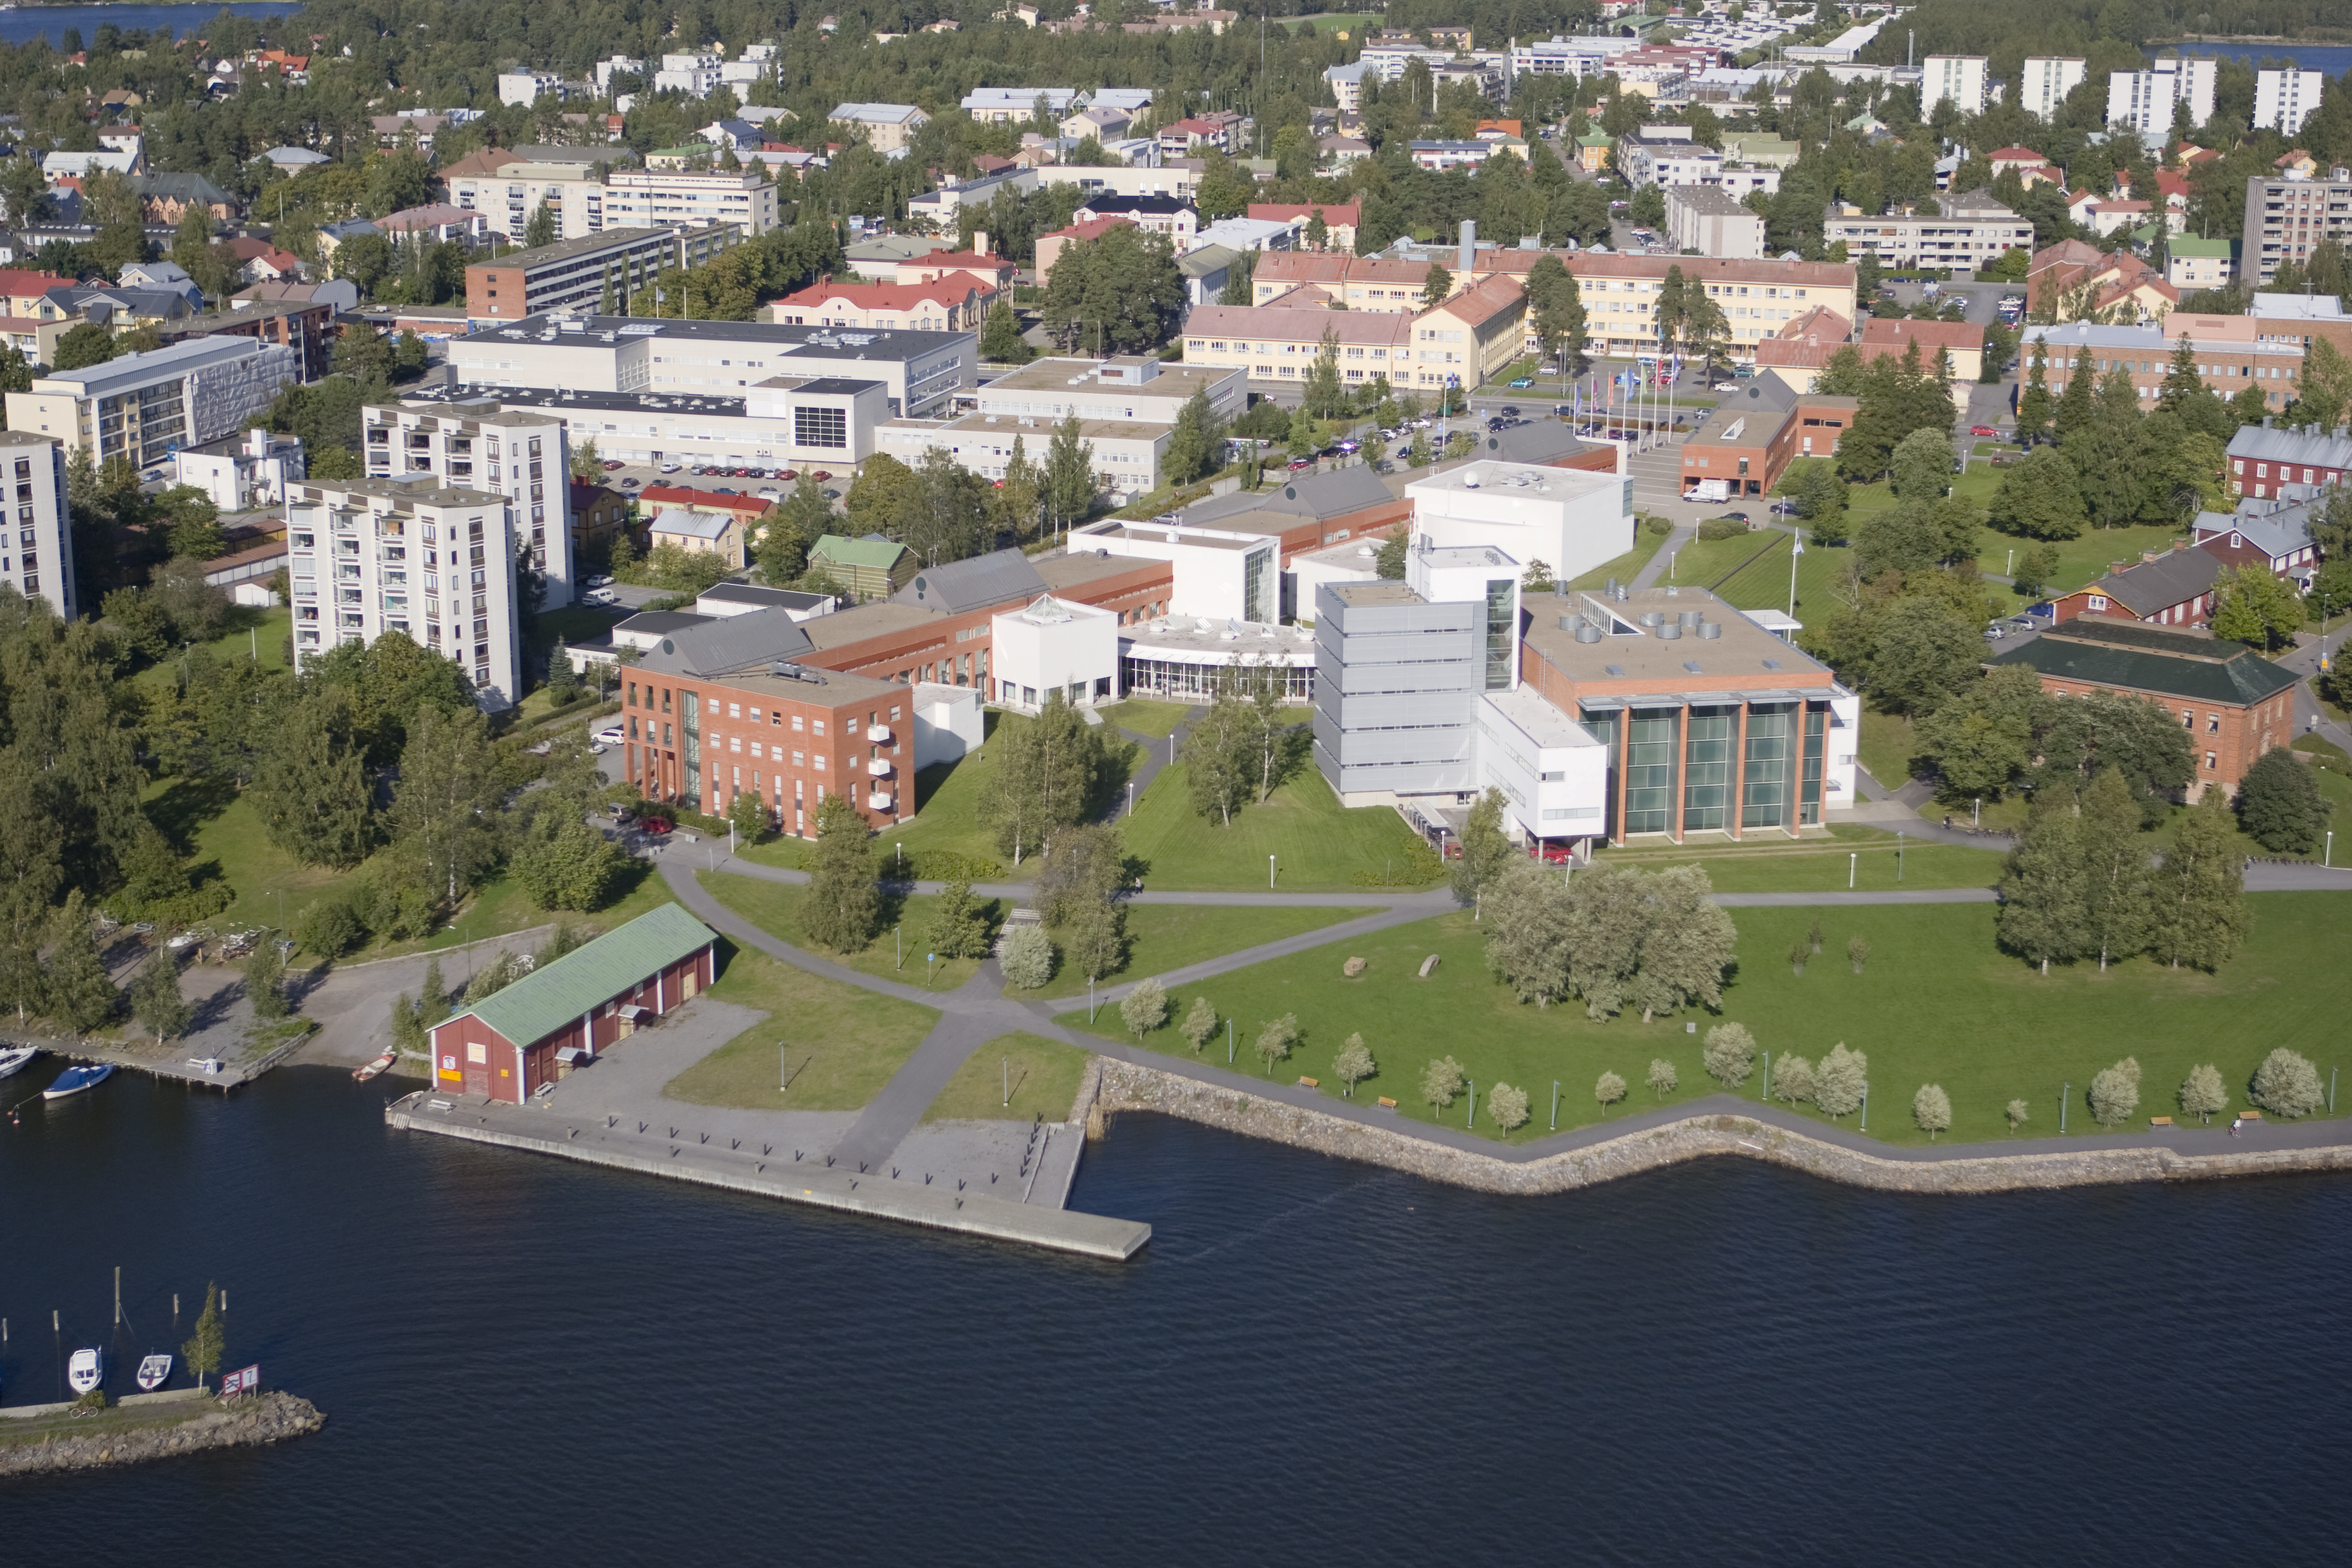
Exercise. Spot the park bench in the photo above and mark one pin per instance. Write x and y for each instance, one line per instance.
(1387, 1104)
(2249, 1115)
(1305, 1082)
(2159, 1121)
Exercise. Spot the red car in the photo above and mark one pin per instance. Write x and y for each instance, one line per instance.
(611, 464)
(787, 474)
(1982, 430)
(820, 476)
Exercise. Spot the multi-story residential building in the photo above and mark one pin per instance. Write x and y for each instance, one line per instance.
(1011, 105)
(1963, 231)
(816, 420)
(697, 198)
(1173, 216)
(244, 472)
(432, 562)
(36, 551)
(1578, 57)
(518, 454)
(143, 407)
(1713, 222)
(1275, 344)
(2234, 703)
(2265, 461)
(1958, 78)
(2192, 263)
(950, 305)
(1667, 156)
(2287, 217)
(2284, 99)
(2143, 100)
(526, 87)
(576, 273)
(2044, 82)
(1466, 338)
(694, 74)
(885, 126)
(2231, 355)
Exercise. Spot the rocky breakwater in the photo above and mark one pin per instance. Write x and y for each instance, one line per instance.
(129, 1435)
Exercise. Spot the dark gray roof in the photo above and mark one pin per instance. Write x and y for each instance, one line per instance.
(1538, 441)
(179, 187)
(731, 645)
(984, 580)
(1319, 496)
(1108, 206)
(2278, 525)
(2169, 580)
(662, 623)
(2126, 656)
(754, 593)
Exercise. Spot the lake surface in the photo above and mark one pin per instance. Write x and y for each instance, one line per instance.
(2332, 58)
(524, 1360)
(24, 24)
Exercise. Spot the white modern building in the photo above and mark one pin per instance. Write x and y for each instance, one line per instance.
(523, 89)
(2044, 82)
(804, 420)
(517, 455)
(1967, 230)
(1569, 518)
(437, 563)
(694, 75)
(1713, 222)
(627, 198)
(1002, 105)
(1959, 78)
(2143, 100)
(2284, 99)
(146, 407)
(1553, 771)
(1217, 573)
(242, 473)
(1055, 645)
(36, 551)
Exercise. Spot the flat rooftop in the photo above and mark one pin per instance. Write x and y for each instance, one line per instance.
(1208, 639)
(418, 492)
(1055, 375)
(1522, 479)
(985, 423)
(881, 618)
(1077, 568)
(842, 342)
(1379, 592)
(1147, 533)
(1545, 724)
(830, 684)
(1745, 658)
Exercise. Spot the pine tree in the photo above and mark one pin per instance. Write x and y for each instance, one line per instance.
(2115, 868)
(2043, 898)
(208, 1345)
(1069, 473)
(309, 786)
(433, 996)
(75, 989)
(1325, 396)
(2182, 384)
(841, 904)
(959, 928)
(1019, 498)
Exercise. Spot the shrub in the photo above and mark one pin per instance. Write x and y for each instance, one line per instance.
(1721, 528)
(2016, 1111)
(1730, 1054)
(2115, 1092)
(2287, 1085)
(328, 928)
(1029, 957)
(1663, 1080)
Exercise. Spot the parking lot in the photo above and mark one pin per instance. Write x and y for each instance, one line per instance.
(770, 483)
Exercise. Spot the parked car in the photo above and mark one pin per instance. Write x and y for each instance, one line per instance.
(600, 580)
(602, 596)
(669, 468)
(820, 476)
(1523, 382)
(611, 735)
(612, 465)
(1299, 463)
(1734, 517)
(632, 482)
(788, 473)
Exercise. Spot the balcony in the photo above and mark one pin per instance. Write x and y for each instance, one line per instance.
(878, 767)
(876, 734)
(879, 800)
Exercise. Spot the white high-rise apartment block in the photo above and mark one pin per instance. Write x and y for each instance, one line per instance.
(2143, 100)
(1960, 78)
(694, 74)
(434, 563)
(36, 551)
(523, 89)
(2284, 99)
(517, 455)
(2044, 82)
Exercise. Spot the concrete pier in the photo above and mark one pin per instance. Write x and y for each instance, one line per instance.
(771, 1173)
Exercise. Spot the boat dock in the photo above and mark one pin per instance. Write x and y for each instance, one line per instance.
(769, 1172)
(174, 1070)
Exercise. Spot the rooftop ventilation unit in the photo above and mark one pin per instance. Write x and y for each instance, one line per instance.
(1571, 623)
(1588, 633)
(1710, 630)
(1653, 617)
(1691, 617)
(1670, 630)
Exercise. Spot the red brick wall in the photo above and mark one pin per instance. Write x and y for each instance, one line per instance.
(2226, 738)
(657, 765)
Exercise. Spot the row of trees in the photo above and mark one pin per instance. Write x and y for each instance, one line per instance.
(1246, 744)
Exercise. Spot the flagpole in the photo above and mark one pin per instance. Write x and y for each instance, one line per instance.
(1800, 550)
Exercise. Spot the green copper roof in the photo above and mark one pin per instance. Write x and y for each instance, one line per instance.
(554, 997)
(2130, 656)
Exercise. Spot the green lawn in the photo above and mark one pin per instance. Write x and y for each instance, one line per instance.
(839, 1044)
(2086, 560)
(1704, 561)
(1044, 1075)
(1861, 857)
(1145, 716)
(1889, 742)
(774, 908)
(1645, 545)
(253, 633)
(1318, 844)
(1165, 937)
(1936, 1002)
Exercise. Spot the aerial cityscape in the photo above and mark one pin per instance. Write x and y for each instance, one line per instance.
(1198, 749)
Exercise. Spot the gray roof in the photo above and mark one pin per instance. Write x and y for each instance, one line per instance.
(766, 598)
(731, 645)
(678, 519)
(181, 188)
(2170, 579)
(2128, 656)
(662, 623)
(1208, 258)
(1318, 496)
(1536, 441)
(993, 579)
(2312, 448)
(2277, 527)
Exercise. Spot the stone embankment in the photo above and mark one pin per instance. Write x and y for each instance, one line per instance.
(1130, 1086)
(103, 1441)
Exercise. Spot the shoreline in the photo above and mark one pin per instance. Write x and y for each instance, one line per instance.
(1131, 1086)
(126, 1435)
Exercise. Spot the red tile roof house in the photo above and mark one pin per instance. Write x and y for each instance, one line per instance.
(973, 267)
(1051, 245)
(1340, 217)
(954, 306)
(516, 1041)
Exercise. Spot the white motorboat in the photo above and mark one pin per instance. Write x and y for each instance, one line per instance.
(154, 1372)
(86, 1371)
(14, 1060)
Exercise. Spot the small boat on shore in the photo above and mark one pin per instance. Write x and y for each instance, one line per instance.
(86, 1371)
(153, 1372)
(14, 1059)
(369, 1070)
(74, 1080)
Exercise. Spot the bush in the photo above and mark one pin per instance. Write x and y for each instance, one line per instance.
(1721, 528)
(1417, 867)
(1730, 1054)
(2115, 1092)
(944, 866)
(1144, 1008)
(1657, 526)
(576, 868)
(2287, 1085)
(328, 927)
(1029, 957)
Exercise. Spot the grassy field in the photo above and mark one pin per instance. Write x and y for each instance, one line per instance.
(1044, 1075)
(253, 633)
(775, 908)
(1889, 740)
(840, 1044)
(1936, 1002)
(1163, 937)
(1145, 716)
(1318, 844)
(1703, 562)
(1645, 545)
(1861, 857)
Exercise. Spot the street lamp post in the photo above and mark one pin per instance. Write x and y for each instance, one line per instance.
(1793, 554)
(1269, 872)
(2066, 1093)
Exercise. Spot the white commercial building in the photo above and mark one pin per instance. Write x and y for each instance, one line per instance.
(629, 198)
(818, 421)
(434, 563)
(242, 473)
(1553, 773)
(1216, 573)
(1570, 520)
(950, 723)
(1960, 78)
(694, 75)
(1713, 222)
(145, 406)
(2143, 100)
(2044, 82)
(922, 371)
(517, 455)
(1967, 230)
(1055, 645)
(36, 551)
(1002, 105)
(2284, 99)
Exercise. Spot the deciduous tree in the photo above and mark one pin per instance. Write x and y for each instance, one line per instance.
(2254, 607)
(2043, 897)
(1730, 1054)
(1441, 1083)
(155, 1000)
(1353, 1064)
(1663, 1079)
(2202, 1093)
(1487, 854)
(1144, 1008)
(1608, 1089)
(2280, 806)
(2115, 870)
(1275, 1037)
(1931, 1108)
(2115, 1092)
(1029, 957)
(2287, 1085)
(1200, 1024)
(1839, 1080)
(1507, 1106)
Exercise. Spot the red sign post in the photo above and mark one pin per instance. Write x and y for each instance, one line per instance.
(247, 1380)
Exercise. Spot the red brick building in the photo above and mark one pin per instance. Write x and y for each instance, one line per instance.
(1754, 434)
(512, 1042)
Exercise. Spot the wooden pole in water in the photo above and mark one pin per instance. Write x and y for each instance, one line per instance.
(118, 1295)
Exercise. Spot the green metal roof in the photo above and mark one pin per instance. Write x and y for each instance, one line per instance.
(2213, 673)
(2190, 245)
(554, 997)
(880, 553)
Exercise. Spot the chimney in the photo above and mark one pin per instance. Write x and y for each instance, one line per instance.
(1469, 254)
(980, 242)
(2147, 555)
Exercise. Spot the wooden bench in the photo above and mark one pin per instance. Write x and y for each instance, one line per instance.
(1387, 1104)
(2249, 1115)
(1305, 1082)
(2159, 1121)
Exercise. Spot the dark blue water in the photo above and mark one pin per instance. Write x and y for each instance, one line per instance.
(1312, 1363)
(24, 24)
(2332, 58)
